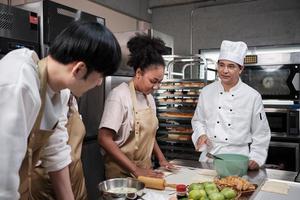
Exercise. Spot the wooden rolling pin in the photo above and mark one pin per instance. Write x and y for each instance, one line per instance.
(155, 183)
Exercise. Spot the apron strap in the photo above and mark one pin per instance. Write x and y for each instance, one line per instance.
(135, 113)
(42, 72)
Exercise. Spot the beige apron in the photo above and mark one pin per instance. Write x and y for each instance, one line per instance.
(36, 140)
(42, 187)
(139, 145)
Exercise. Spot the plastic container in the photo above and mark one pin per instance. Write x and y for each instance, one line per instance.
(231, 165)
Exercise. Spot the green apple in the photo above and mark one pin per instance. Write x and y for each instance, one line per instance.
(213, 190)
(228, 193)
(204, 198)
(196, 186)
(216, 196)
(195, 194)
(209, 185)
(203, 193)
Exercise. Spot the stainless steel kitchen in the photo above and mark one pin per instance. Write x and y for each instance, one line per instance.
(200, 100)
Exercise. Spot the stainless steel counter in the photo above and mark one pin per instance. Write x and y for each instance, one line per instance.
(258, 176)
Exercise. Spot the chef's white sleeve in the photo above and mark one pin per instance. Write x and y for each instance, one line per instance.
(198, 121)
(57, 153)
(19, 108)
(261, 133)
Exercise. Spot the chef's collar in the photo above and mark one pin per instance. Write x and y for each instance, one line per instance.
(233, 89)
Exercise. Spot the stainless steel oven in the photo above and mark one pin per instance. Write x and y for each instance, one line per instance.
(283, 119)
(274, 76)
(283, 156)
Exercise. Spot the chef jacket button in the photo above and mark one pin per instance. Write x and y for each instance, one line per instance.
(215, 136)
(218, 122)
(219, 107)
(226, 139)
(221, 92)
(230, 110)
(229, 124)
(232, 95)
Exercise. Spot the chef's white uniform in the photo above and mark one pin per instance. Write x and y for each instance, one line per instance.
(234, 121)
(19, 105)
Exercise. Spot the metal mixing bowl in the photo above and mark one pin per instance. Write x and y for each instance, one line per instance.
(107, 185)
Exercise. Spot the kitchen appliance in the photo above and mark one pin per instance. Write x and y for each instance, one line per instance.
(284, 155)
(54, 18)
(274, 76)
(283, 119)
(18, 28)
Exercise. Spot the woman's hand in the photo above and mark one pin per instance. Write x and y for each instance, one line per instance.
(147, 172)
(165, 164)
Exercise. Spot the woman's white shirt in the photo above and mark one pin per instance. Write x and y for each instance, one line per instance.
(118, 111)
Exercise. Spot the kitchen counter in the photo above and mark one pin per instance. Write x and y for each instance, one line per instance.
(194, 171)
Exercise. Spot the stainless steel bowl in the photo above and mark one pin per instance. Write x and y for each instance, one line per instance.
(107, 185)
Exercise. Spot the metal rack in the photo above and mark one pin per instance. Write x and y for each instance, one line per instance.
(176, 100)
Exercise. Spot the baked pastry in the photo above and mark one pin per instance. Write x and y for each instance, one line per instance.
(167, 93)
(179, 115)
(170, 100)
(179, 129)
(178, 100)
(189, 100)
(192, 93)
(178, 93)
(162, 100)
(187, 84)
(178, 84)
(173, 136)
(184, 137)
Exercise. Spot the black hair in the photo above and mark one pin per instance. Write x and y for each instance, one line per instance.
(145, 51)
(89, 42)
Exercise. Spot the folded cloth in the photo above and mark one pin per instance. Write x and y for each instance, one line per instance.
(275, 187)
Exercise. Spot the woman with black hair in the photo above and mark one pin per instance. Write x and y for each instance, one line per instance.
(129, 123)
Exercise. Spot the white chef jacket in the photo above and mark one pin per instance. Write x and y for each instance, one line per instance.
(19, 105)
(118, 111)
(232, 120)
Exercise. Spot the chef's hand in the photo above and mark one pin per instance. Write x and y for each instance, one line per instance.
(252, 165)
(147, 172)
(203, 139)
(165, 164)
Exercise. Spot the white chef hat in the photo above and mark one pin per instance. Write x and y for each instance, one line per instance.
(233, 51)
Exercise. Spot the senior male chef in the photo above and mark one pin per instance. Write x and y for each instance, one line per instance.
(230, 116)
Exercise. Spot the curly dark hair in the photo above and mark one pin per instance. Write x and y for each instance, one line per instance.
(145, 51)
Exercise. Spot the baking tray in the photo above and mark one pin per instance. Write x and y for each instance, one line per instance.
(293, 194)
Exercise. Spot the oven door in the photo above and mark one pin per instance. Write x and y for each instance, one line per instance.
(277, 122)
(274, 81)
(283, 155)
